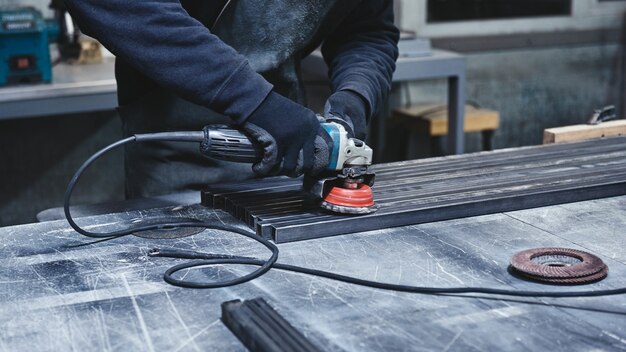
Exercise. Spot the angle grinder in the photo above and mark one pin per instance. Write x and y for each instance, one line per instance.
(345, 186)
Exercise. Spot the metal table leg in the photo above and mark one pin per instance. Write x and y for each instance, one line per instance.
(456, 113)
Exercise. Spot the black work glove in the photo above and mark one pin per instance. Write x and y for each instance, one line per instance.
(292, 138)
(348, 109)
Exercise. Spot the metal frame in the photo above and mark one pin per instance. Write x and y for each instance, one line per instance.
(413, 192)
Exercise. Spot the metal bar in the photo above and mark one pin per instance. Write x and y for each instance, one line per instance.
(253, 213)
(452, 188)
(528, 150)
(496, 157)
(475, 207)
(491, 177)
(214, 195)
(427, 197)
(235, 202)
(418, 179)
(456, 113)
(455, 195)
(431, 197)
(420, 187)
(260, 328)
(423, 166)
(428, 190)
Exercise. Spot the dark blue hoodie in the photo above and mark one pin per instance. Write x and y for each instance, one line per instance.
(178, 46)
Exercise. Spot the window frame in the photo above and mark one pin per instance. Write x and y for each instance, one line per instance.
(586, 15)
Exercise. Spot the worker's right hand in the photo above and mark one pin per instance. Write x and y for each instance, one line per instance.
(348, 109)
(288, 133)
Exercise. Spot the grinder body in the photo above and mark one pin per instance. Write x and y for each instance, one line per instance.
(344, 187)
(225, 143)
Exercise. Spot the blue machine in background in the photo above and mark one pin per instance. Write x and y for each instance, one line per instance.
(24, 45)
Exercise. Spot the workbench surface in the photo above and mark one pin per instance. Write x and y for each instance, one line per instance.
(74, 89)
(111, 296)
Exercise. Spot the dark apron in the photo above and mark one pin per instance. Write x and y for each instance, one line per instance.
(272, 37)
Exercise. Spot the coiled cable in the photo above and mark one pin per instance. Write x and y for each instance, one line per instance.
(208, 259)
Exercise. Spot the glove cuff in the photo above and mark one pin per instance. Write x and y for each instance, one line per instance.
(348, 109)
(265, 109)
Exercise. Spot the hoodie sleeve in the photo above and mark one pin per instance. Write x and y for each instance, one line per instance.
(162, 41)
(362, 52)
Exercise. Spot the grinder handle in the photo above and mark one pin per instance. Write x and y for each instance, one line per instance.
(225, 143)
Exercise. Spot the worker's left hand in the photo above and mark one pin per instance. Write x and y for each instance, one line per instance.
(291, 136)
(348, 109)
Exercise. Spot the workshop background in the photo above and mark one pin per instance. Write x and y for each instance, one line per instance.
(539, 70)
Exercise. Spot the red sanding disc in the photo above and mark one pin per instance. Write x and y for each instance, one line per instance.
(559, 266)
(358, 197)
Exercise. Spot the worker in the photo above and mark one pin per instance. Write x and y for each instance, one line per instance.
(184, 64)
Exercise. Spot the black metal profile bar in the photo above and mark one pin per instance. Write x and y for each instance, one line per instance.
(213, 195)
(476, 195)
(249, 207)
(507, 155)
(416, 191)
(419, 202)
(454, 188)
(260, 328)
(410, 216)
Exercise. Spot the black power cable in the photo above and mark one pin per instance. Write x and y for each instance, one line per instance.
(207, 259)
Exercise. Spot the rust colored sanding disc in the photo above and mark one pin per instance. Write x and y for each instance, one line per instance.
(358, 200)
(559, 266)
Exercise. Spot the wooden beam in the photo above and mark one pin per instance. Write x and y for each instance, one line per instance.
(432, 119)
(584, 132)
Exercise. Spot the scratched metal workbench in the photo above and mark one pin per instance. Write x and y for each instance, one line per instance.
(110, 295)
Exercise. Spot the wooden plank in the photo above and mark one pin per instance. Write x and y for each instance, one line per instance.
(432, 119)
(584, 132)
